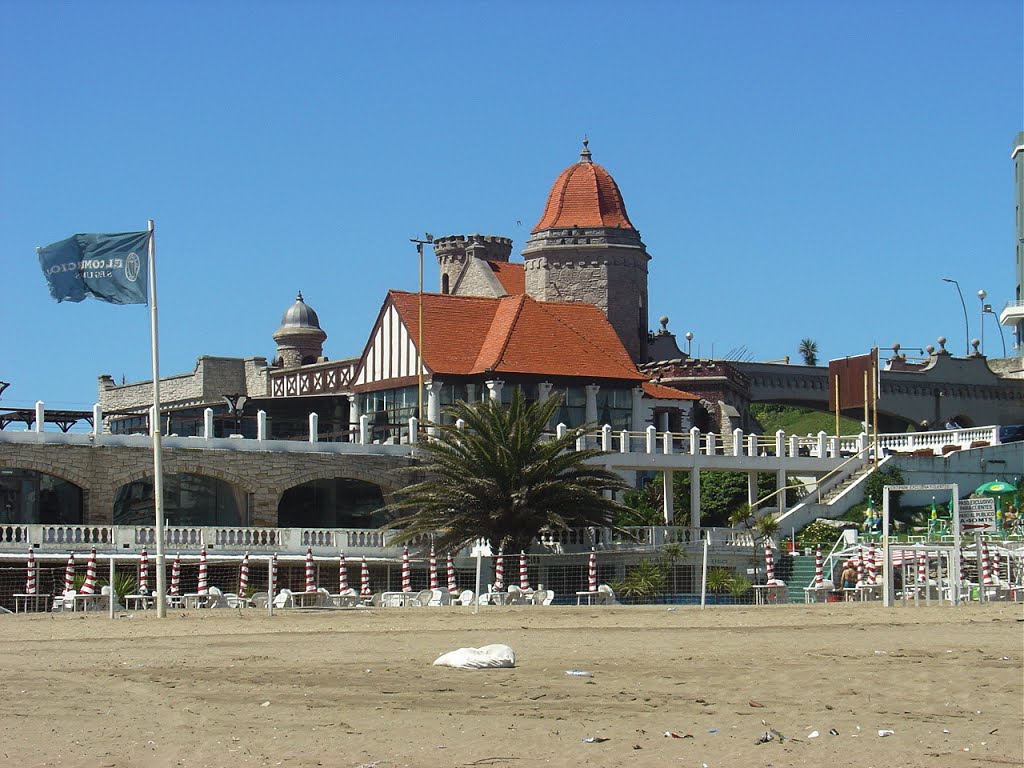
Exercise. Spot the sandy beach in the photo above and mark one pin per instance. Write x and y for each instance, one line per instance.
(357, 688)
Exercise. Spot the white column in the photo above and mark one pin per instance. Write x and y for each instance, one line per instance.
(637, 417)
(652, 438)
(494, 389)
(694, 441)
(314, 427)
(737, 442)
(152, 419)
(822, 450)
(97, 421)
(261, 425)
(780, 482)
(433, 406)
(666, 437)
(471, 393)
(694, 504)
(780, 443)
(751, 488)
(41, 417)
(663, 421)
(751, 445)
(208, 423)
(414, 430)
(544, 390)
(666, 491)
(364, 429)
(606, 438)
(353, 417)
(590, 412)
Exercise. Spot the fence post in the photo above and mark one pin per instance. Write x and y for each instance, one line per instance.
(737, 442)
(606, 438)
(652, 438)
(97, 421)
(314, 430)
(261, 425)
(364, 429)
(694, 441)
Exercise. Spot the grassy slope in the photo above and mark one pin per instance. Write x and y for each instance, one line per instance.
(800, 421)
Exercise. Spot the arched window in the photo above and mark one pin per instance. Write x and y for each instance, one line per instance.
(338, 502)
(444, 283)
(28, 497)
(188, 500)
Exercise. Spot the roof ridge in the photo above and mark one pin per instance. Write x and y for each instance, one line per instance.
(521, 299)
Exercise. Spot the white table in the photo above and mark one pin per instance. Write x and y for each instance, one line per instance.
(87, 602)
(139, 602)
(589, 596)
(307, 599)
(398, 599)
(23, 601)
(194, 600)
(765, 594)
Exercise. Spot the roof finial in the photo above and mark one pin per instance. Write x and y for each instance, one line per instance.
(299, 297)
(585, 154)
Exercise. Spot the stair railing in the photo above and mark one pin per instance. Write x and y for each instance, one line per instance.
(842, 467)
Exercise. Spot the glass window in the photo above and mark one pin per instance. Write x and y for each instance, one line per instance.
(338, 502)
(188, 500)
(615, 407)
(28, 497)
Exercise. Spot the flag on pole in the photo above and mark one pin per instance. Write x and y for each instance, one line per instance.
(109, 267)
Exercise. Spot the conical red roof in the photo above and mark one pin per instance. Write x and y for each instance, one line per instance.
(584, 195)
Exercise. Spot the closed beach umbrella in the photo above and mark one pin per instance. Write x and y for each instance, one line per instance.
(995, 567)
(819, 565)
(453, 586)
(922, 568)
(176, 575)
(860, 565)
(769, 564)
(89, 587)
(342, 573)
(499, 572)
(986, 570)
(364, 588)
(310, 571)
(204, 587)
(69, 574)
(273, 573)
(592, 573)
(872, 565)
(30, 573)
(144, 573)
(433, 568)
(524, 577)
(406, 573)
(243, 576)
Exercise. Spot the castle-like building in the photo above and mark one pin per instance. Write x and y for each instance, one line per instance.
(570, 318)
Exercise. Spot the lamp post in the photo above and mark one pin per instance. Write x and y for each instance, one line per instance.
(4, 385)
(986, 309)
(235, 405)
(689, 341)
(428, 238)
(981, 298)
(967, 327)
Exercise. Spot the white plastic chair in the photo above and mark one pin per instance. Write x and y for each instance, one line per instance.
(439, 597)
(606, 595)
(465, 598)
(216, 599)
(284, 599)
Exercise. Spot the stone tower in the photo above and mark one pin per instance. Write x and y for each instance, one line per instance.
(584, 248)
(456, 255)
(300, 340)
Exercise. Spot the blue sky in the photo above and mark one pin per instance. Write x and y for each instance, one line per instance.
(796, 169)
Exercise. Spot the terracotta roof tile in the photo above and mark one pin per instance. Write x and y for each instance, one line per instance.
(661, 392)
(472, 334)
(584, 195)
(511, 276)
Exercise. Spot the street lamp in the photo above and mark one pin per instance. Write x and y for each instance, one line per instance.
(689, 340)
(4, 385)
(428, 238)
(986, 309)
(236, 403)
(967, 327)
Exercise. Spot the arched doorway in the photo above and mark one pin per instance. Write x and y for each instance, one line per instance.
(29, 497)
(188, 500)
(337, 502)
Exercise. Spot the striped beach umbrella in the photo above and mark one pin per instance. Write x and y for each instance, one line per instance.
(986, 569)
(433, 568)
(144, 573)
(89, 587)
(995, 567)
(524, 577)
(273, 573)
(364, 587)
(922, 568)
(819, 567)
(769, 564)
(499, 572)
(592, 572)
(453, 586)
(310, 571)
(204, 586)
(406, 572)
(342, 573)
(30, 573)
(243, 576)
(69, 574)
(872, 564)
(176, 575)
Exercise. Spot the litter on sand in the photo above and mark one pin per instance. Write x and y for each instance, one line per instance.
(486, 657)
(595, 739)
(886, 732)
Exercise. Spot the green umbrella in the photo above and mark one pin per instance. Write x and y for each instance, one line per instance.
(995, 488)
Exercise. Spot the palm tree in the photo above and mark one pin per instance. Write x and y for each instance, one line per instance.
(809, 351)
(502, 479)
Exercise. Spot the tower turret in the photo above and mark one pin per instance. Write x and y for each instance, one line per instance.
(300, 340)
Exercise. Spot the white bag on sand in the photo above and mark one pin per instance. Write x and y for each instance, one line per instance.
(485, 657)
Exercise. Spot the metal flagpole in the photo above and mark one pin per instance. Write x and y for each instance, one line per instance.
(158, 473)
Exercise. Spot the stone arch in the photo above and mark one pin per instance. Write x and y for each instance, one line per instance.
(191, 468)
(55, 470)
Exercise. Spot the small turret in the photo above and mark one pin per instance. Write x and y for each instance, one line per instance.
(300, 340)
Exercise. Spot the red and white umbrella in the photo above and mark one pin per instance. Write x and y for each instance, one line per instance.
(273, 573)
(243, 576)
(310, 571)
(406, 573)
(819, 567)
(89, 587)
(986, 570)
(922, 568)
(144, 573)
(524, 577)
(69, 574)
(30, 573)
(364, 588)
(499, 572)
(872, 565)
(592, 572)
(453, 586)
(204, 586)
(860, 565)
(769, 564)
(342, 573)
(433, 568)
(176, 575)
(995, 567)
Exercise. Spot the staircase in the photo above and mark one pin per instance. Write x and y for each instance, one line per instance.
(801, 574)
(835, 501)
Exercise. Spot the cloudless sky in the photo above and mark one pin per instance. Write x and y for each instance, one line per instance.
(796, 169)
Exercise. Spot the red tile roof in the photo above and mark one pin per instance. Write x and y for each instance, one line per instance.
(661, 392)
(515, 334)
(584, 195)
(511, 276)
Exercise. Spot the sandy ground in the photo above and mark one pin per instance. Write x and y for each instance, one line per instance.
(357, 688)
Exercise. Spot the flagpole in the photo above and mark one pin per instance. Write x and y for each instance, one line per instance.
(158, 474)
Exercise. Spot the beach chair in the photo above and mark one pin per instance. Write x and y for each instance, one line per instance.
(439, 597)
(216, 599)
(605, 595)
(516, 596)
(464, 598)
(284, 599)
(423, 598)
(347, 599)
(259, 600)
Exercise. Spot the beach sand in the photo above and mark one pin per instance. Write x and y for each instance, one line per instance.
(357, 687)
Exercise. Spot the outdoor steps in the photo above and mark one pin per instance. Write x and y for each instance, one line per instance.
(801, 573)
(834, 493)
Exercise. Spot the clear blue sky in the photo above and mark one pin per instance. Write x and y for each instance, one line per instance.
(796, 169)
